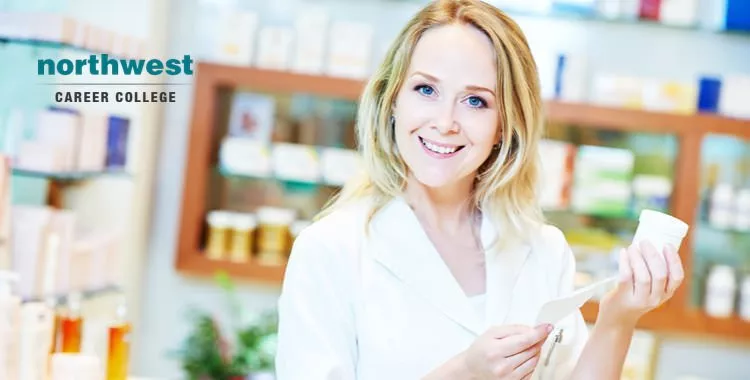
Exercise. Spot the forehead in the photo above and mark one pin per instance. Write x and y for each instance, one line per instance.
(457, 52)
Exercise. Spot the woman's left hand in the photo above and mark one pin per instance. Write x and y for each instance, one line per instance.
(648, 278)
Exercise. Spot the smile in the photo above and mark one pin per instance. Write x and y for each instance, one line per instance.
(440, 149)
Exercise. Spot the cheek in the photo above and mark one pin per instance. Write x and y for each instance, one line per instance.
(480, 127)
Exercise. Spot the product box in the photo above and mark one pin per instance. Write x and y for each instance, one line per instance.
(236, 37)
(29, 226)
(350, 49)
(617, 91)
(602, 181)
(60, 129)
(557, 160)
(311, 30)
(735, 92)
(338, 165)
(679, 12)
(243, 156)
(571, 78)
(274, 48)
(650, 9)
(252, 116)
(295, 162)
(117, 142)
(672, 97)
(92, 154)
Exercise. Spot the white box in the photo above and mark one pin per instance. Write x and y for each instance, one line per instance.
(339, 165)
(350, 49)
(735, 92)
(295, 162)
(93, 141)
(274, 48)
(678, 12)
(311, 31)
(61, 129)
(236, 37)
(245, 157)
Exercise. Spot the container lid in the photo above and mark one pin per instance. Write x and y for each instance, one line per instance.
(665, 223)
(276, 215)
(219, 218)
(244, 221)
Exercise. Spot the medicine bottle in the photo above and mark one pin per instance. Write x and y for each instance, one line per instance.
(218, 234)
(274, 234)
(243, 233)
(721, 287)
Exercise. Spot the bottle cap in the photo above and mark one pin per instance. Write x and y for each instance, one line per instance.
(664, 223)
(220, 219)
(242, 221)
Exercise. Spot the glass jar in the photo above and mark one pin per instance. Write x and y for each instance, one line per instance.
(243, 232)
(274, 231)
(219, 223)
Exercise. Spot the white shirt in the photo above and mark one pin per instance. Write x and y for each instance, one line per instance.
(384, 305)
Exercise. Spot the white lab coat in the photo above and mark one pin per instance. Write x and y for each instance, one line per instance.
(386, 307)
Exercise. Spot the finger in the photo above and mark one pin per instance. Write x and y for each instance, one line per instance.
(516, 360)
(517, 343)
(526, 368)
(641, 276)
(500, 332)
(626, 271)
(657, 267)
(674, 268)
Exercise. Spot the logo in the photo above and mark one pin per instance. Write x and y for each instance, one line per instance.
(105, 65)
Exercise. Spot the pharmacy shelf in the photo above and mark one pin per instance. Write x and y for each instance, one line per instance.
(69, 176)
(48, 44)
(229, 174)
(86, 294)
(212, 81)
(199, 265)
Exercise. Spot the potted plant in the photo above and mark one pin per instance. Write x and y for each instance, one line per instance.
(246, 352)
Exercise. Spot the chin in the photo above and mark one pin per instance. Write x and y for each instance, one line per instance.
(435, 179)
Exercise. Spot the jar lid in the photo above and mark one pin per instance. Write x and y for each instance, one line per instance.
(664, 223)
(244, 221)
(276, 215)
(219, 218)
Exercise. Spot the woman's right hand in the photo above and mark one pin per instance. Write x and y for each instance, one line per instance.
(506, 352)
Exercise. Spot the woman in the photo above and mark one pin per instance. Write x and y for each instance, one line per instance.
(435, 264)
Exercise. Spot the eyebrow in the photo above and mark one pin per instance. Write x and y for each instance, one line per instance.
(436, 80)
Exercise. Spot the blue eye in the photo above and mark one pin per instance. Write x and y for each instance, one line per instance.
(425, 89)
(477, 102)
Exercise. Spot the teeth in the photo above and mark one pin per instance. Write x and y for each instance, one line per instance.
(438, 149)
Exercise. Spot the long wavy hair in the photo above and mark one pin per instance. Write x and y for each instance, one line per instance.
(505, 185)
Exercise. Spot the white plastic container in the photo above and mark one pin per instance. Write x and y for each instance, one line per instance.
(37, 327)
(721, 211)
(10, 309)
(721, 288)
(660, 230)
(744, 309)
(741, 220)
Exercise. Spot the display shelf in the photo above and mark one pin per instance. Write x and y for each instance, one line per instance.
(40, 43)
(69, 176)
(85, 294)
(212, 81)
(229, 174)
(197, 264)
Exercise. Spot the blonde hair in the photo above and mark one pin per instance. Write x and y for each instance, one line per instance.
(506, 184)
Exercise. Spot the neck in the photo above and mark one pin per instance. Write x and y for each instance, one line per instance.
(446, 208)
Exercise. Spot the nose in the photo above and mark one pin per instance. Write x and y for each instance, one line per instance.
(445, 122)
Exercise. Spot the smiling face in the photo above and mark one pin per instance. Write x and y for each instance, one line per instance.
(446, 110)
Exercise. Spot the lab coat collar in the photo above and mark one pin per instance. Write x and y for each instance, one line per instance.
(401, 245)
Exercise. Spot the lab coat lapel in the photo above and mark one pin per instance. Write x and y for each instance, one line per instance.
(503, 268)
(401, 245)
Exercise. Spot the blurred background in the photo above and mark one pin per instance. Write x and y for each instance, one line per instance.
(148, 239)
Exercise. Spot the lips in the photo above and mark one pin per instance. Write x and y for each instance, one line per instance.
(440, 149)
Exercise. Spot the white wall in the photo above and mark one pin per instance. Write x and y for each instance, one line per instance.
(623, 49)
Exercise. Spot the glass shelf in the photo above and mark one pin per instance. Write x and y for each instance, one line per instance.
(69, 176)
(291, 183)
(85, 294)
(42, 43)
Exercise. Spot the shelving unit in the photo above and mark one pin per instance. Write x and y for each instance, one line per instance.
(688, 130)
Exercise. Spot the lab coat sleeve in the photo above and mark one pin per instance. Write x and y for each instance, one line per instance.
(316, 335)
(558, 363)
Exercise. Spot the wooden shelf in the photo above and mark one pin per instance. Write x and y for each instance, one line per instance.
(214, 79)
(199, 265)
